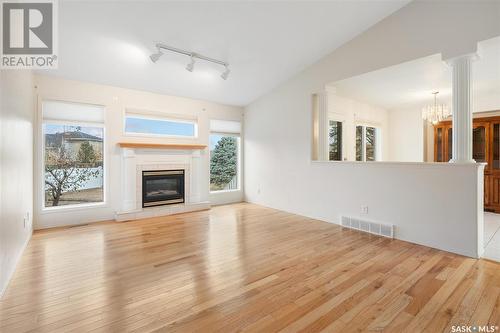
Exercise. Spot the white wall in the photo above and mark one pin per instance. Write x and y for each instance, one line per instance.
(116, 101)
(486, 102)
(406, 136)
(353, 113)
(16, 168)
(431, 205)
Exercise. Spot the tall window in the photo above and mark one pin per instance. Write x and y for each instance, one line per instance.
(138, 124)
(224, 155)
(335, 141)
(366, 143)
(73, 154)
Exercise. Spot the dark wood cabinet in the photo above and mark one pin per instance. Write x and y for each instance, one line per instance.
(485, 148)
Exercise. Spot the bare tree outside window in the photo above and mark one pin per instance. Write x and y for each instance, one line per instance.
(73, 165)
(359, 143)
(370, 143)
(335, 141)
(366, 143)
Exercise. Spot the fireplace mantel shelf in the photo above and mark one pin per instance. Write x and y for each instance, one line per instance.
(161, 146)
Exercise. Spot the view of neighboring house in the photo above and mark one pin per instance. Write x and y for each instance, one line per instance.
(72, 143)
(73, 165)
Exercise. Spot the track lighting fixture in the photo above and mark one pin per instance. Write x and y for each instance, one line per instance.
(155, 56)
(190, 67)
(226, 73)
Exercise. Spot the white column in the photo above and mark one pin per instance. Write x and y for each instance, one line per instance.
(462, 108)
(323, 126)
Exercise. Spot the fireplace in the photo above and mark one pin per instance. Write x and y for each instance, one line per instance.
(162, 187)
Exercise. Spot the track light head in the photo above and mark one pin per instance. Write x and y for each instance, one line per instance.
(190, 66)
(226, 73)
(155, 56)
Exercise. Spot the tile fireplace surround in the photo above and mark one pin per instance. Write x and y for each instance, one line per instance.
(136, 160)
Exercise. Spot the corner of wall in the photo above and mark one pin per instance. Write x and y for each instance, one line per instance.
(16, 169)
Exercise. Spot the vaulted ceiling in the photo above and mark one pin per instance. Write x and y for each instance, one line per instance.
(265, 43)
(410, 85)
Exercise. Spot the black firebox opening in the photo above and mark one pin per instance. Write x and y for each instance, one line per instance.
(162, 187)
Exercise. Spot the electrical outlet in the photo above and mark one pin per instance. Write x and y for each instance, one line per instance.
(26, 219)
(364, 209)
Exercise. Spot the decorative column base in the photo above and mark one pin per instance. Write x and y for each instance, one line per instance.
(462, 161)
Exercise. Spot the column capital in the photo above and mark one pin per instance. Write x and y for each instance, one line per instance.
(473, 56)
(331, 89)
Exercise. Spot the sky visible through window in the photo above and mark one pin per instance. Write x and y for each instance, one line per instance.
(55, 128)
(158, 127)
(214, 138)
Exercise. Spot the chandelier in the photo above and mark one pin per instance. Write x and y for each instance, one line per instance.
(436, 112)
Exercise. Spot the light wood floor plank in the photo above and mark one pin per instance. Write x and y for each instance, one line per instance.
(246, 268)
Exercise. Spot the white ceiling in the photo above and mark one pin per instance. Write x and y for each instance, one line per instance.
(265, 43)
(410, 85)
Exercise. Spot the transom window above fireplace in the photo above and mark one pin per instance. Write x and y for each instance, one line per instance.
(155, 125)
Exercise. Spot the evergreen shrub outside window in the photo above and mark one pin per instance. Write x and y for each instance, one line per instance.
(223, 162)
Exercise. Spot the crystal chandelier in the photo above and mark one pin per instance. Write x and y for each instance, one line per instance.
(436, 112)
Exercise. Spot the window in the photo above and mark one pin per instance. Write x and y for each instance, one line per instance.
(335, 141)
(367, 143)
(137, 124)
(224, 155)
(73, 154)
(359, 143)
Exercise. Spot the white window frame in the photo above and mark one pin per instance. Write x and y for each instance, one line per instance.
(41, 154)
(363, 141)
(238, 161)
(149, 116)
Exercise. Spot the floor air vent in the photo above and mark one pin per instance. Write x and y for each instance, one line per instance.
(375, 228)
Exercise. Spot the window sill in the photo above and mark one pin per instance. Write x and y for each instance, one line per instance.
(396, 163)
(69, 208)
(225, 191)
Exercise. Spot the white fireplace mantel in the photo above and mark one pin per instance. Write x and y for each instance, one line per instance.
(136, 160)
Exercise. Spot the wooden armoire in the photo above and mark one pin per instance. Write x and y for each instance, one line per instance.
(485, 148)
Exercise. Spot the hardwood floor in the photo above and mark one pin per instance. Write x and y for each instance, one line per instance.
(242, 268)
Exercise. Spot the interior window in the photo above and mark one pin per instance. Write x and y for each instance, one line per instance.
(335, 141)
(371, 143)
(359, 143)
(366, 143)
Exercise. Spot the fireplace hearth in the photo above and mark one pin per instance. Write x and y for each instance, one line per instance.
(162, 187)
